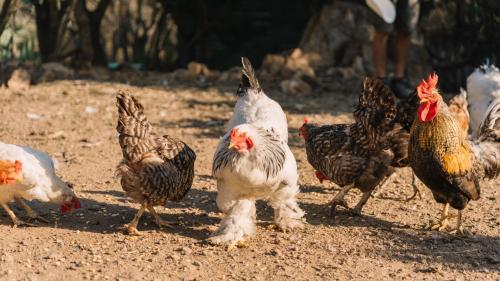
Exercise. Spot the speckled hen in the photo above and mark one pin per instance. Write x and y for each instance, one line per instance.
(154, 169)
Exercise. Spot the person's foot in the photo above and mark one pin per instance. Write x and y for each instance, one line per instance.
(402, 88)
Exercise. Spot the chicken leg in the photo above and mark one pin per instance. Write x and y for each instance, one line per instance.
(386, 181)
(15, 220)
(357, 209)
(459, 229)
(32, 214)
(158, 220)
(339, 199)
(382, 186)
(443, 223)
(416, 191)
(131, 228)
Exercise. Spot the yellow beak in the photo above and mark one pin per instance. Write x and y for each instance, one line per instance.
(231, 145)
(423, 100)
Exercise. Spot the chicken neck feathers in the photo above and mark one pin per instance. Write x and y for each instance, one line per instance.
(268, 156)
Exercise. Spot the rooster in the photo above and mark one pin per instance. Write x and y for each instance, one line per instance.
(362, 154)
(154, 169)
(483, 86)
(29, 174)
(444, 160)
(253, 161)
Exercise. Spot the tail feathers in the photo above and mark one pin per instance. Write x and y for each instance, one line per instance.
(133, 127)
(376, 111)
(489, 129)
(487, 143)
(248, 77)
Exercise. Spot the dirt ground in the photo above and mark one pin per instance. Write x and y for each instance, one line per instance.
(390, 241)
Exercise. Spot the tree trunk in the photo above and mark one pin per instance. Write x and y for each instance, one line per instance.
(7, 8)
(48, 23)
(95, 18)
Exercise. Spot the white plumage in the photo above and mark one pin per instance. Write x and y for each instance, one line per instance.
(252, 162)
(39, 182)
(483, 86)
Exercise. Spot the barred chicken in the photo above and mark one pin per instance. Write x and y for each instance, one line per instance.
(28, 174)
(154, 169)
(444, 160)
(252, 162)
(362, 154)
(483, 86)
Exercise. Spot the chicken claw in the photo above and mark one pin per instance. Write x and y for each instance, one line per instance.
(132, 231)
(32, 214)
(15, 220)
(131, 228)
(339, 199)
(444, 221)
(159, 222)
(336, 203)
(416, 191)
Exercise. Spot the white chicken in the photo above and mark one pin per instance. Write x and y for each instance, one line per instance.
(252, 162)
(38, 181)
(483, 86)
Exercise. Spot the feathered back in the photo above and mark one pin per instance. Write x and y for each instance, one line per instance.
(133, 127)
(487, 141)
(407, 109)
(375, 113)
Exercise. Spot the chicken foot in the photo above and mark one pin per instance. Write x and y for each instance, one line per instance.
(339, 199)
(131, 228)
(386, 181)
(459, 228)
(444, 221)
(32, 214)
(159, 221)
(357, 209)
(15, 220)
(416, 191)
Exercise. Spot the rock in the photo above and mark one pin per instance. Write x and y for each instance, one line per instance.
(184, 250)
(53, 71)
(174, 257)
(90, 109)
(232, 74)
(20, 80)
(299, 62)
(272, 65)
(33, 116)
(196, 70)
(295, 86)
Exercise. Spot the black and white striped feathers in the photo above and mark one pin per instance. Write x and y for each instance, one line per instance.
(154, 169)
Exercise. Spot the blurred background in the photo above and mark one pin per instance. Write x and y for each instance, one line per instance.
(306, 41)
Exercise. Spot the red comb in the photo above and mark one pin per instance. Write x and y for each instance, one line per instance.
(426, 87)
(306, 120)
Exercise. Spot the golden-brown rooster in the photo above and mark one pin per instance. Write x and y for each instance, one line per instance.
(154, 169)
(444, 160)
(358, 154)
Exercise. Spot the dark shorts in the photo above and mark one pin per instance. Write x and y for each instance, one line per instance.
(407, 12)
